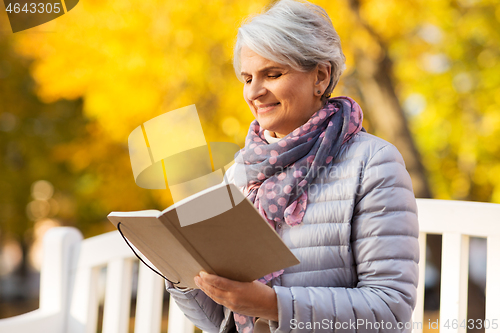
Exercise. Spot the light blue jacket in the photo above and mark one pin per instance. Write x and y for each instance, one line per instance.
(357, 246)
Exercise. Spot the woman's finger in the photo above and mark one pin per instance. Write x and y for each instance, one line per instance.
(209, 289)
(218, 282)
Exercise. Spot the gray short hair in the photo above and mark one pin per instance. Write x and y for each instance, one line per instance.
(298, 34)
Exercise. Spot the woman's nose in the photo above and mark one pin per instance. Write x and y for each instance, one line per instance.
(255, 90)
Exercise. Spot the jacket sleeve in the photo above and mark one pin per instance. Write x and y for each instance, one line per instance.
(200, 309)
(384, 244)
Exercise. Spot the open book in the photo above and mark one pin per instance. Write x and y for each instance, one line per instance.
(217, 230)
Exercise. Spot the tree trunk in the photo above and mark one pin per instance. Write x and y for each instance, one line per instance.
(374, 76)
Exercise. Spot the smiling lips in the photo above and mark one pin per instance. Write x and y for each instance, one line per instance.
(266, 107)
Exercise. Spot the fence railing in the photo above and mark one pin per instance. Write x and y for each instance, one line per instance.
(457, 221)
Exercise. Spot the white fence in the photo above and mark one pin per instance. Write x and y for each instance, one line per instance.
(457, 221)
(69, 299)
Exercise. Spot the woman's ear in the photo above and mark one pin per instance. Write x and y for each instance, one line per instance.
(323, 73)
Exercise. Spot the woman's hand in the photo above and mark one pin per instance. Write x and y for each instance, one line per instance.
(247, 298)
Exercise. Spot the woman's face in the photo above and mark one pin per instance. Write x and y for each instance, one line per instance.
(280, 98)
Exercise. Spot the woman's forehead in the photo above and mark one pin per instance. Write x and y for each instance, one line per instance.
(252, 61)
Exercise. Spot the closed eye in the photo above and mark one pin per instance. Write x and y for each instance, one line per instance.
(270, 76)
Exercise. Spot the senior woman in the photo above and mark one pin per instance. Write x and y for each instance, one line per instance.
(340, 198)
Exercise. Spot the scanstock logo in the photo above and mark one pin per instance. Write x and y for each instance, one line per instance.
(26, 14)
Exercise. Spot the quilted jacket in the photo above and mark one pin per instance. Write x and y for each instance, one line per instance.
(357, 246)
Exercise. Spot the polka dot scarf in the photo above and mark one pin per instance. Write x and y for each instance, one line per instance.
(276, 176)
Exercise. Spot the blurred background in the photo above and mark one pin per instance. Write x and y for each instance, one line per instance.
(425, 72)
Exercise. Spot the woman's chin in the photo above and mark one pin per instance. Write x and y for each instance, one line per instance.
(269, 123)
(266, 125)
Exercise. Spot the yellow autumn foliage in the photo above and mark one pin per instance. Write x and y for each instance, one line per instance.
(133, 60)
